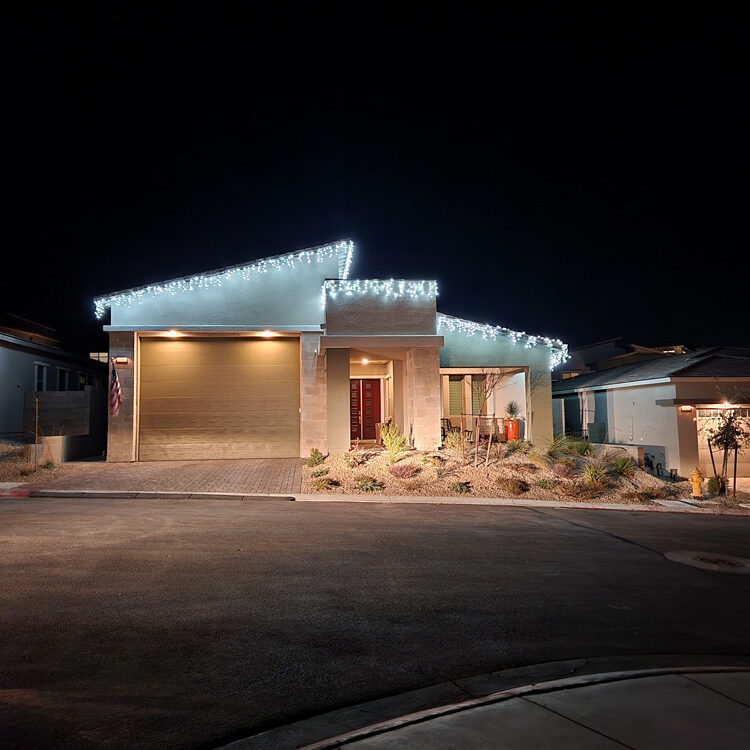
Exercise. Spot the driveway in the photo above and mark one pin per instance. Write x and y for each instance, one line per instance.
(184, 623)
(252, 476)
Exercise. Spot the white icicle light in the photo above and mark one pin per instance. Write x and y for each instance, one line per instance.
(343, 250)
(558, 350)
(387, 288)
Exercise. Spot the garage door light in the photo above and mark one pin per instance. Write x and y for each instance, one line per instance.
(172, 333)
(267, 334)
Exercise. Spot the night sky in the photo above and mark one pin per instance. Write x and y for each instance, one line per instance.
(571, 170)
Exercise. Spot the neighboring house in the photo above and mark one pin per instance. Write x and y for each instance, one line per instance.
(285, 354)
(662, 405)
(616, 352)
(32, 360)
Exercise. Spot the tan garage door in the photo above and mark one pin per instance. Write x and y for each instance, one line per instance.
(219, 398)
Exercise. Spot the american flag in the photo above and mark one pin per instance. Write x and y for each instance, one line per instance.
(115, 392)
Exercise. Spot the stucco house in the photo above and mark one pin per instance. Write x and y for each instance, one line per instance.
(661, 406)
(281, 355)
(33, 361)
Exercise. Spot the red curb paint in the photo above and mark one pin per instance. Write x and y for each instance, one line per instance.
(16, 493)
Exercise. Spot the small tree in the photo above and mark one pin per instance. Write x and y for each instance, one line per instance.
(728, 433)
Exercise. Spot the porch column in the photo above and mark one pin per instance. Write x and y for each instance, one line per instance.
(539, 409)
(312, 422)
(423, 397)
(337, 396)
(121, 430)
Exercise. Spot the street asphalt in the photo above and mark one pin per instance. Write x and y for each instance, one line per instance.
(137, 623)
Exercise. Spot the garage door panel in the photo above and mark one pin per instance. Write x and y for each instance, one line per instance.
(217, 373)
(218, 398)
(206, 352)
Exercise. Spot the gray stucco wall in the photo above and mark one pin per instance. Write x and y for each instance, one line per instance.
(285, 296)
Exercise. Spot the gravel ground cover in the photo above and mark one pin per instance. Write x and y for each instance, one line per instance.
(15, 468)
(573, 471)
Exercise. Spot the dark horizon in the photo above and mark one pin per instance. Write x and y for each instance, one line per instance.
(568, 174)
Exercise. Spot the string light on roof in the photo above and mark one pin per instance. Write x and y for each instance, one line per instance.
(386, 288)
(343, 250)
(558, 350)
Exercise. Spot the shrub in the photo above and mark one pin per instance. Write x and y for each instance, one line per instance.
(545, 484)
(563, 470)
(715, 486)
(453, 440)
(623, 467)
(24, 471)
(368, 484)
(433, 460)
(316, 458)
(403, 471)
(660, 493)
(318, 473)
(47, 465)
(325, 483)
(394, 441)
(556, 446)
(352, 460)
(582, 448)
(594, 475)
(460, 488)
(511, 485)
(516, 446)
(542, 460)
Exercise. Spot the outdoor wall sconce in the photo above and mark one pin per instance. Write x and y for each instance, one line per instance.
(121, 360)
(686, 408)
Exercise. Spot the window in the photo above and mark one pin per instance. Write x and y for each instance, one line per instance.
(81, 381)
(63, 379)
(40, 377)
(455, 394)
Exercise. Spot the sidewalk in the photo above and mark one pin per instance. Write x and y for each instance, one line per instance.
(699, 707)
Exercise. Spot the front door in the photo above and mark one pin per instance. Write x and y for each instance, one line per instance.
(364, 407)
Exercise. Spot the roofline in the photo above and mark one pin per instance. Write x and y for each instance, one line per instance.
(225, 269)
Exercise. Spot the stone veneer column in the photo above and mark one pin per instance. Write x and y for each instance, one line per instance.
(121, 429)
(313, 413)
(423, 398)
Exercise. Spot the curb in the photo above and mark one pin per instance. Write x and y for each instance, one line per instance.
(661, 506)
(155, 495)
(380, 716)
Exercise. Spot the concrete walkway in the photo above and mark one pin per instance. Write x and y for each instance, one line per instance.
(688, 710)
(253, 476)
(703, 707)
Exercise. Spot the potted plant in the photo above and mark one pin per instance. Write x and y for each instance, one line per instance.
(512, 422)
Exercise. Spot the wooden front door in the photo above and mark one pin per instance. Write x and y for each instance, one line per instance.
(364, 411)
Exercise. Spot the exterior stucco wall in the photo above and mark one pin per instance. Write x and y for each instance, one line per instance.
(286, 296)
(370, 314)
(461, 350)
(121, 432)
(337, 390)
(313, 410)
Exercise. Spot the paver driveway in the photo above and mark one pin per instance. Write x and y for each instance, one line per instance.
(252, 476)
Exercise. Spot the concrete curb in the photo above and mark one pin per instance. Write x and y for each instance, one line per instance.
(662, 506)
(377, 717)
